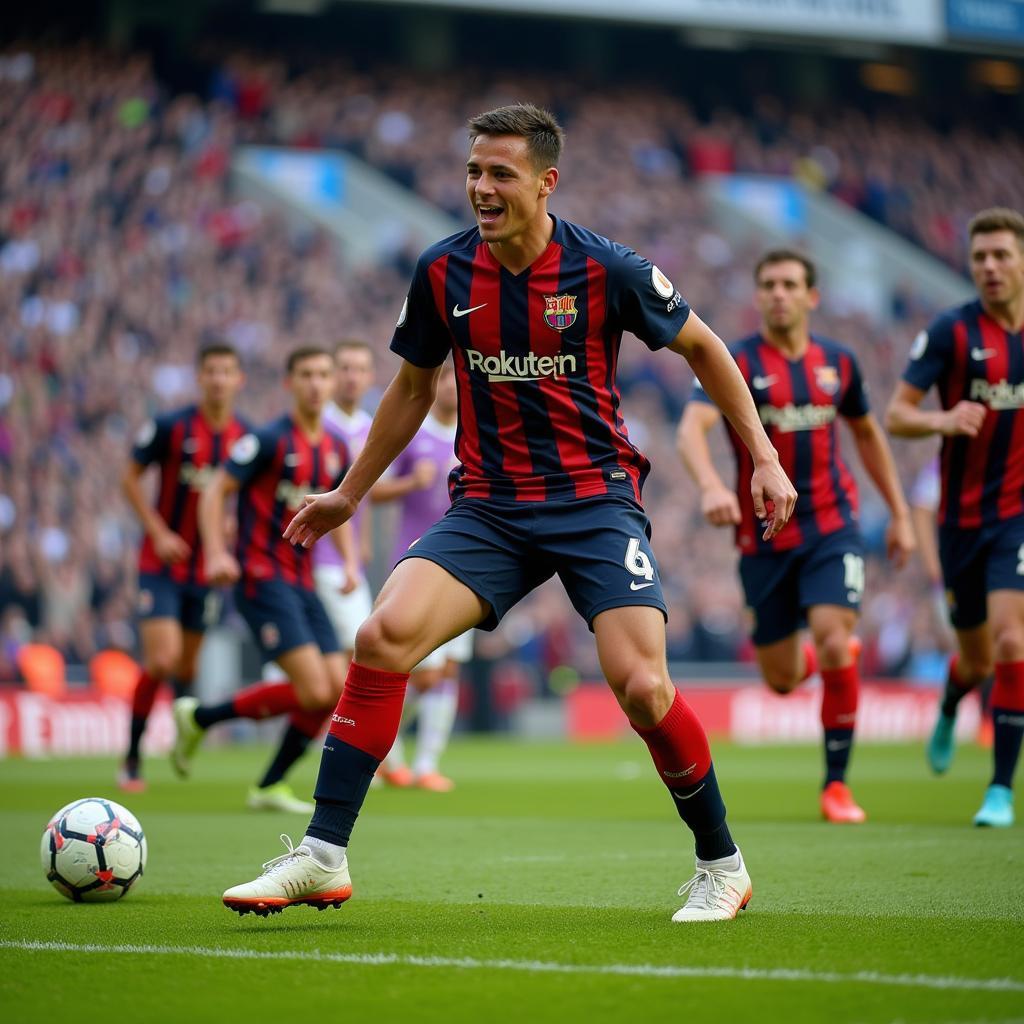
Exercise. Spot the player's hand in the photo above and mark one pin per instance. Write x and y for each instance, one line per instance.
(423, 475)
(222, 569)
(171, 548)
(320, 514)
(964, 418)
(352, 574)
(720, 506)
(774, 497)
(900, 541)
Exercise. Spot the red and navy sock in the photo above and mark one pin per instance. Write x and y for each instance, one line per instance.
(303, 727)
(261, 700)
(363, 728)
(1007, 720)
(143, 698)
(839, 717)
(180, 687)
(956, 688)
(680, 751)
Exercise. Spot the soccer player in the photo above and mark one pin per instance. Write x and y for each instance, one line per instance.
(272, 470)
(347, 609)
(175, 601)
(418, 479)
(813, 573)
(973, 355)
(532, 308)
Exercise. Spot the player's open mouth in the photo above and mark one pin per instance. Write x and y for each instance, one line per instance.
(489, 214)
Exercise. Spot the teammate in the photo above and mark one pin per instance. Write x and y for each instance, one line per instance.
(347, 611)
(813, 573)
(418, 479)
(272, 470)
(532, 309)
(175, 601)
(974, 357)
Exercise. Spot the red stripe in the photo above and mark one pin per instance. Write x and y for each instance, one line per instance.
(258, 562)
(952, 393)
(779, 395)
(822, 445)
(973, 488)
(202, 457)
(1011, 487)
(746, 536)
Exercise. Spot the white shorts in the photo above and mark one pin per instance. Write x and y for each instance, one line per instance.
(347, 612)
(459, 648)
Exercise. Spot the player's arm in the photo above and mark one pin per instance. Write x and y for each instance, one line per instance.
(402, 410)
(718, 503)
(923, 518)
(724, 384)
(876, 457)
(170, 547)
(905, 418)
(221, 566)
(344, 539)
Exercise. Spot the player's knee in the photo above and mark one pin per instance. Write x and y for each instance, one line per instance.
(974, 670)
(381, 642)
(1008, 641)
(163, 664)
(316, 697)
(833, 647)
(782, 679)
(644, 693)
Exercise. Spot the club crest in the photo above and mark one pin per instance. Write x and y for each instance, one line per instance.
(827, 379)
(559, 311)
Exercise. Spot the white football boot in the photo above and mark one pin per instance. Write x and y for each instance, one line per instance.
(278, 797)
(715, 893)
(187, 736)
(294, 879)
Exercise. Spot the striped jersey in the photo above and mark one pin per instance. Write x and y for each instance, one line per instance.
(187, 449)
(535, 357)
(968, 356)
(798, 402)
(277, 466)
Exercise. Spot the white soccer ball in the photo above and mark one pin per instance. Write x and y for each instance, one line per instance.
(93, 850)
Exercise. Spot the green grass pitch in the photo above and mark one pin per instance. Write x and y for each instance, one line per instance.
(540, 890)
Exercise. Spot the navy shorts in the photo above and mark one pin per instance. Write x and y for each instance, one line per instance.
(600, 548)
(781, 585)
(976, 562)
(195, 606)
(283, 616)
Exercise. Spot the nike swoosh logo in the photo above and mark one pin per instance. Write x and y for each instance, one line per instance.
(639, 586)
(764, 382)
(982, 353)
(689, 796)
(456, 312)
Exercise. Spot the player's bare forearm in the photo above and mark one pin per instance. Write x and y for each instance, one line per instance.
(927, 544)
(211, 513)
(721, 379)
(876, 457)
(692, 445)
(131, 487)
(905, 418)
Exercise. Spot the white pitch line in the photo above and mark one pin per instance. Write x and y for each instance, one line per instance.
(538, 966)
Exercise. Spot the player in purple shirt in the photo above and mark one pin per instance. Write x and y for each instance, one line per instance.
(418, 482)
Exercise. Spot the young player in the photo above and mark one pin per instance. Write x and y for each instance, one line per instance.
(973, 355)
(347, 610)
(532, 309)
(813, 573)
(175, 601)
(272, 470)
(418, 479)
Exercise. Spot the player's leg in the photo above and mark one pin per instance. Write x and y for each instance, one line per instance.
(437, 711)
(832, 628)
(786, 663)
(1006, 615)
(964, 556)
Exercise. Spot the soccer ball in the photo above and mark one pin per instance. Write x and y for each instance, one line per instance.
(93, 850)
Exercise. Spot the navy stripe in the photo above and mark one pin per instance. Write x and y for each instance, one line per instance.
(180, 489)
(999, 448)
(803, 460)
(843, 505)
(959, 444)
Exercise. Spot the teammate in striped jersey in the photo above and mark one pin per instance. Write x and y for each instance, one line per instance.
(272, 469)
(532, 309)
(813, 572)
(175, 601)
(974, 356)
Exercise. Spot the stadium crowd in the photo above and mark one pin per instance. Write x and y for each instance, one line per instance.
(122, 247)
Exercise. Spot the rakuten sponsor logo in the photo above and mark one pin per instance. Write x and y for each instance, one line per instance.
(506, 367)
(791, 418)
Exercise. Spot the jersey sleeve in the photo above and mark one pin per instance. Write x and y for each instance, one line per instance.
(250, 454)
(643, 300)
(930, 354)
(152, 442)
(421, 337)
(854, 403)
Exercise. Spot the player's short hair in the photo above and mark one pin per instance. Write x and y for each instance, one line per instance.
(217, 348)
(997, 218)
(353, 345)
(298, 355)
(773, 256)
(543, 134)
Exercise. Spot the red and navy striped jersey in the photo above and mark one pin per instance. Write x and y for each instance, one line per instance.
(187, 450)
(277, 466)
(535, 356)
(968, 356)
(798, 402)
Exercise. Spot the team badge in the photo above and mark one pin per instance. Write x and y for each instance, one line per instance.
(245, 449)
(827, 379)
(559, 311)
(662, 285)
(270, 635)
(146, 434)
